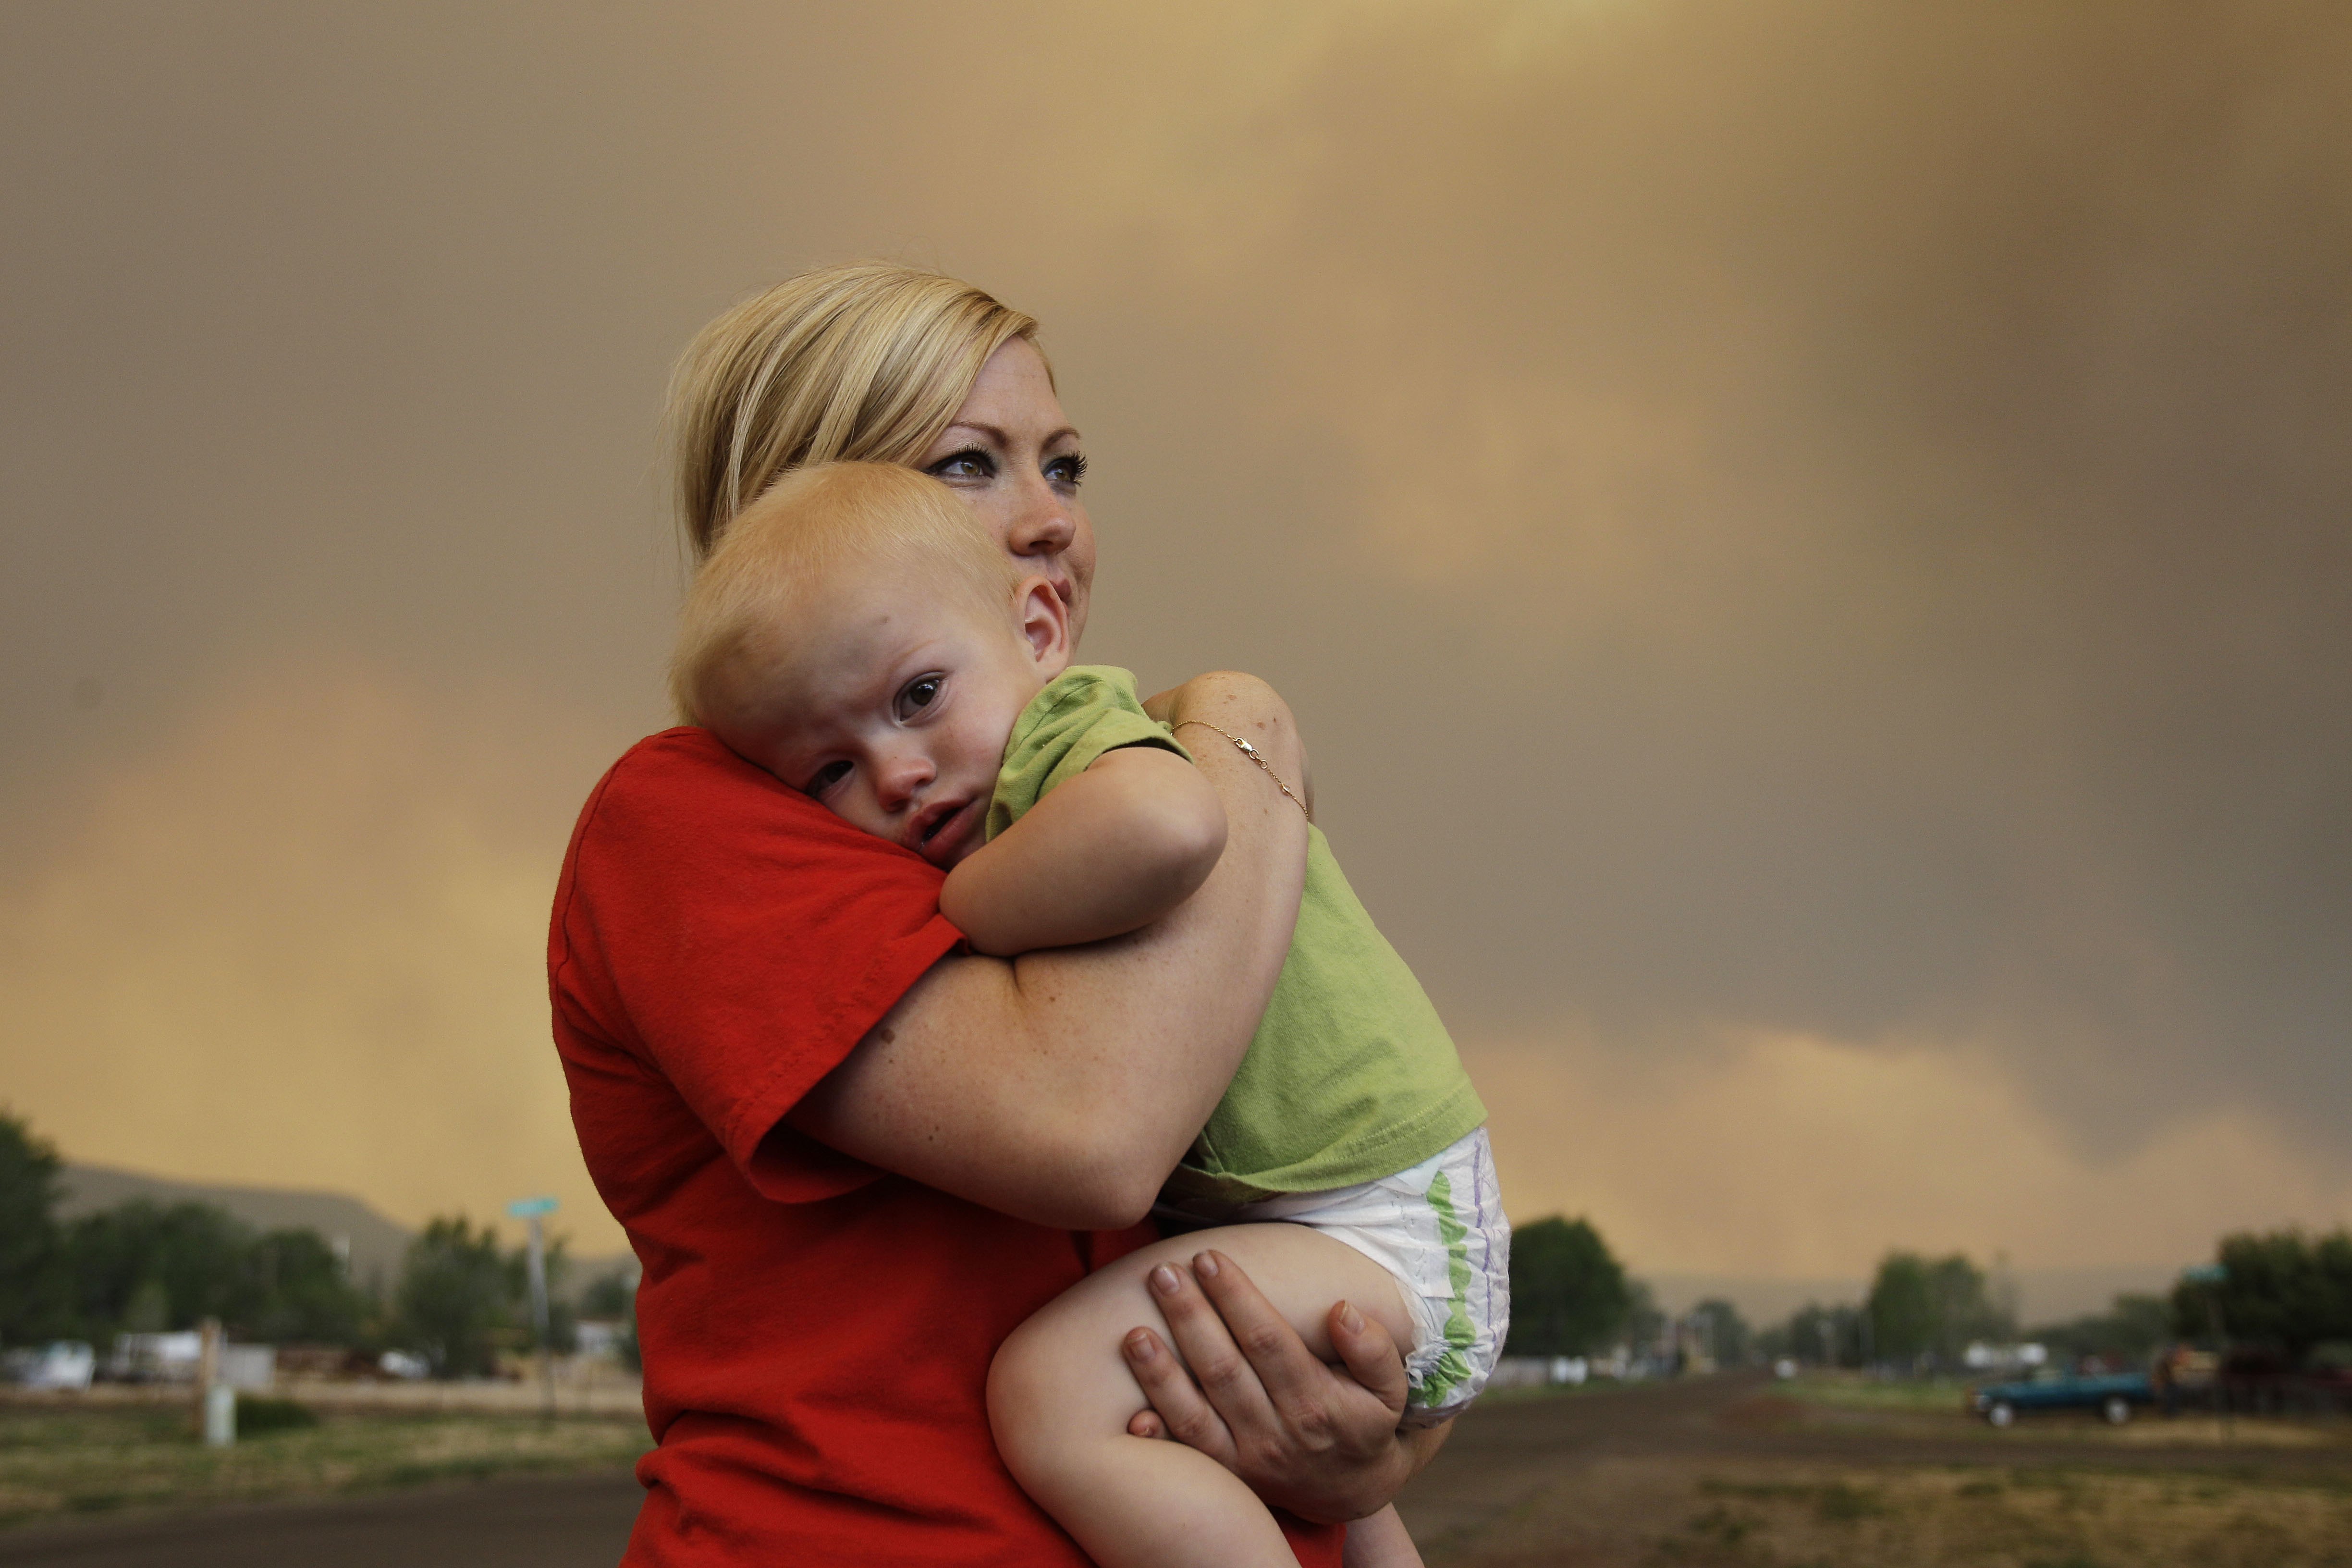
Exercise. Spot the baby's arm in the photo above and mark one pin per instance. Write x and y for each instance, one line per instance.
(1105, 853)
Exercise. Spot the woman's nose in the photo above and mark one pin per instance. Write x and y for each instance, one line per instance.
(1043, 525)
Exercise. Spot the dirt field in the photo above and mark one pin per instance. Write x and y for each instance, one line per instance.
(1733, 1471)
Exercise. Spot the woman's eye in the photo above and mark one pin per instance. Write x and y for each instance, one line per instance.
(1067, 470)
(919, 695)
(971, 463)
(827, 776)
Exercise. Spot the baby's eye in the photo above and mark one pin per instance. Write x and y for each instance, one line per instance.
(920, 693)
(827, 777)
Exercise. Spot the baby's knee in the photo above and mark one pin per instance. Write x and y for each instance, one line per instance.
(1020, 1383)
(1059, 1380)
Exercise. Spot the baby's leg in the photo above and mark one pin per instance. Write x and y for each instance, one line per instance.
(1060, 1397)
(1381, 1542)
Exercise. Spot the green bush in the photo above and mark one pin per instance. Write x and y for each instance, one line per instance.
(256, 1416)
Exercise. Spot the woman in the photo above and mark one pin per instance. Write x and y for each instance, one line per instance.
(850, 1158)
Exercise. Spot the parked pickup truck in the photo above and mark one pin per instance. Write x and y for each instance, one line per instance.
(2111, 1394)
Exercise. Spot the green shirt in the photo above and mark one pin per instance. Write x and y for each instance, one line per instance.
(1351, 1077)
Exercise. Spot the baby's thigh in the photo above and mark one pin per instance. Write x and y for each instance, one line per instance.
(1065, 1359)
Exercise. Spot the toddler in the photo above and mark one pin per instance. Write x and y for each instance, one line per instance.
(857, 633)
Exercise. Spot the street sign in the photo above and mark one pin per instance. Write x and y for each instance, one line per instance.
(2205, 1274)
(529, 1208)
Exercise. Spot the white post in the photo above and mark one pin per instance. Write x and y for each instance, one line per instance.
(215, 1399)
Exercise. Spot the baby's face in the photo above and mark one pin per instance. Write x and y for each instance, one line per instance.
(894, 710)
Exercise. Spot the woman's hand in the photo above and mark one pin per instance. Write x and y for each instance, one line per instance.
(1306, 1436)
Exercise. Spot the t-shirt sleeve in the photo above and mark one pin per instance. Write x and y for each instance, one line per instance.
(1086, 712)
(742, 939)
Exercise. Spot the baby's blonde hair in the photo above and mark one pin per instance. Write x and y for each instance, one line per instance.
(742, 618)
(865, 362)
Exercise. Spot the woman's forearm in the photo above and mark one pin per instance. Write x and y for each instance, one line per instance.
(1064, 1086)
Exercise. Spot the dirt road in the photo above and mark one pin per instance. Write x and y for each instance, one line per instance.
(573, 1522)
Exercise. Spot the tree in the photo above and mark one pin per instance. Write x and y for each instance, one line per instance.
(609, 1295)
(615, 1295)
(1568, 1293)
(306, 1294)
(1726, 1331)
(1923, 1308)
(461, 1298)
(145, 1266)
(2133, 1329)
(2282, 1290)
(1830, 1336)
(35, 1294)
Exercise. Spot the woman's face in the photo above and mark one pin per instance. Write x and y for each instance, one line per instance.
(1011, 455)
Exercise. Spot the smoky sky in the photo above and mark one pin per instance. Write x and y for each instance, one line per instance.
(1828, 519)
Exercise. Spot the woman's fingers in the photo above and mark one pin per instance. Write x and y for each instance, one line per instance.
(1278, 1374)
(1183, 1411)
(1206, 1334)
(1178, 1410)
(1370, 1354)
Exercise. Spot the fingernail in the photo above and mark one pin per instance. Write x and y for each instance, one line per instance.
(1140, 1346)
(1349, 1319)
(1164, 1281)
(1205, 1265)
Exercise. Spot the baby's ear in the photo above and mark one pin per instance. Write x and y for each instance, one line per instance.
(1045, 625)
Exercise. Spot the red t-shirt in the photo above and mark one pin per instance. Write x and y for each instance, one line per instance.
(816, 1332)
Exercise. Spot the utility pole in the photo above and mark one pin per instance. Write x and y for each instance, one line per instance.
(532, 1210)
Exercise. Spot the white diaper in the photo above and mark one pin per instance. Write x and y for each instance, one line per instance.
(1439, 1231)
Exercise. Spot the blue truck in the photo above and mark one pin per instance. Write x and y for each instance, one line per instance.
(2114, 1395)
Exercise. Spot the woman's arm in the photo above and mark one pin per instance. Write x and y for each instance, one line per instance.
(1108, 852)
(1062, 1087)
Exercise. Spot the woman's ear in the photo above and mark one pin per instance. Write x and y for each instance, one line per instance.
(1046, 624)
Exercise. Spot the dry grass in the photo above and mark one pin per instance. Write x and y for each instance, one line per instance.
(1936, 1408)
(1668, 1513)
(63, 1459)
(1853, 1390)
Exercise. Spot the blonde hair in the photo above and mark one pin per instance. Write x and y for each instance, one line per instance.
(864, 361)
(742, 618)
